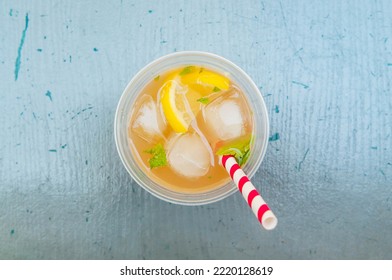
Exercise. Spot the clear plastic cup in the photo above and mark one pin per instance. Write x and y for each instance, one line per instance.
(176, 60)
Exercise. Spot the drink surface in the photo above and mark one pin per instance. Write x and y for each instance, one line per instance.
(180, 124)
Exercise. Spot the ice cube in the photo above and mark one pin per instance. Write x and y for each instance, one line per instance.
(226, 116)
(148, 123)
(188, 156)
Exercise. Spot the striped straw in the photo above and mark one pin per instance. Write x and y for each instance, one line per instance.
(265, 216)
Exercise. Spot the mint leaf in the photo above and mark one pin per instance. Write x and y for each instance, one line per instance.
(245, 156)
(203, 100)
(157, 78)
(187, 70)
(216, 89)
(239, 148)
(158, 158)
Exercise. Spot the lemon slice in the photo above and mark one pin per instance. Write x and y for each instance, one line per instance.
(212, 79)
(179, 105)
(205, 81)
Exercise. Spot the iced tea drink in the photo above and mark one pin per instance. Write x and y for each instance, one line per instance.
(182, 121)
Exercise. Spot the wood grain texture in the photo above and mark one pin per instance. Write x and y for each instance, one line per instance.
(325, 70)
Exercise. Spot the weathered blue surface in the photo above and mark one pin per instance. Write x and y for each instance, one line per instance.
(324, 67)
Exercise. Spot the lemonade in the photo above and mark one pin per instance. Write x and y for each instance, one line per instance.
(182, 121)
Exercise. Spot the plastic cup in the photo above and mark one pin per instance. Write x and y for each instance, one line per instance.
(176, 60)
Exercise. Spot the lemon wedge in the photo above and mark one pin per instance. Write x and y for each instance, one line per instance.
(180, 94)
(179, 105)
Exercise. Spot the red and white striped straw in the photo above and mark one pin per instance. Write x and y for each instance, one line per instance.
(265, 216)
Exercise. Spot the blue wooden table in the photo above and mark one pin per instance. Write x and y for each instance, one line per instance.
(324, 68)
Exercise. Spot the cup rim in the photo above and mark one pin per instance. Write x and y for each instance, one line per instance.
(142, 72)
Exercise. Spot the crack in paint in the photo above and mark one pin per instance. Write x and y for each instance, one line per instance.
(303, 159)
(17, 62)
(300, 84)
(81, 111)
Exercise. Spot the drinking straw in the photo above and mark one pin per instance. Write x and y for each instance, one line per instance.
(259, 207)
